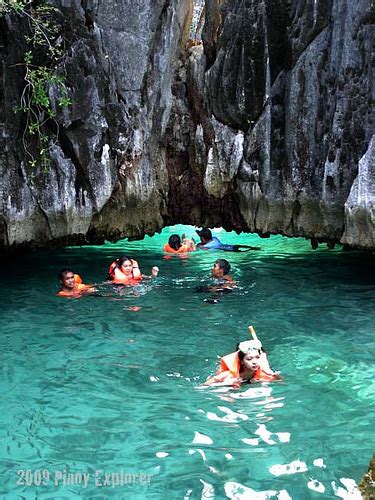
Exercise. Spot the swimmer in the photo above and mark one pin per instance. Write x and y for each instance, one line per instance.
(125, 271)
(220, 272)
(248, 364)
(209, 242)
(223, 281)
(71, 285)
(175, 245)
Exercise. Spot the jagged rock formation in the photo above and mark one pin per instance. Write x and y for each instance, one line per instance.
(265, 127)
(367, 485)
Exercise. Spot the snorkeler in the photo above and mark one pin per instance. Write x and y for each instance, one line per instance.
(125, 271)
(209, 242)
(175, 245)
(71, 285)
(248, 364)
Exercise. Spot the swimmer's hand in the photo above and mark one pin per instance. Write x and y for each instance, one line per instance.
(234, 382)
(154, 271)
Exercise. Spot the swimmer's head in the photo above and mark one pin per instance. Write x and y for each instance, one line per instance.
(220, 268)
(249, 353)
(174, 241)
(204, 234)
(250, 361)
(66, 277)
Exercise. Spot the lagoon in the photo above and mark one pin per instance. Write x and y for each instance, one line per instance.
(89, 385)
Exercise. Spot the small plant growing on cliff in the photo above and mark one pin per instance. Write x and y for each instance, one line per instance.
(44, 44)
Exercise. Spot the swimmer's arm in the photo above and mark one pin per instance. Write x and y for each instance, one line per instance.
(227, 285)
(217, 381)
(190, 243)
(202, 247)
(154, 273)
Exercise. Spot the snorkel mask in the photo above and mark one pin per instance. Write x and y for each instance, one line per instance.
(250, 346)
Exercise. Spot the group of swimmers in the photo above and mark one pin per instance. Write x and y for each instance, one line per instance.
(248, 363)
(208, 242)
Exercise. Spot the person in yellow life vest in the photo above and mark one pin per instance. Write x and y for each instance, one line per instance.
(72, 285)
(125, 271)
(175, 245)
(248, 364)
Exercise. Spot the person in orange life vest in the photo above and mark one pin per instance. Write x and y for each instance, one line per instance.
(125, 271)
(71, 285)
(248, 364)
(175, 245)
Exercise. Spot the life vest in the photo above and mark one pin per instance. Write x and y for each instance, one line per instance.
(77, 279)
(78, 289)
(230, 368)
(118, 277)
(183, 249)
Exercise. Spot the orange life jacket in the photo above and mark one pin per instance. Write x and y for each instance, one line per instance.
(78, 289)
(77, 279)
(183, 249)
(123, 279)
(230, 368)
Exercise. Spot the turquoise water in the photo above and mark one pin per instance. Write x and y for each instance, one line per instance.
(90, 385)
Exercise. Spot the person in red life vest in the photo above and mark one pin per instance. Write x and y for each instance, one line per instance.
(175, 245)
(125, 271)
(72, 285)
(248, 364)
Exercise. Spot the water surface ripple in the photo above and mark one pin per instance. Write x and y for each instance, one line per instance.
(89, 385)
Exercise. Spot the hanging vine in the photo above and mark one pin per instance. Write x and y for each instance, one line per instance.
(45, 43)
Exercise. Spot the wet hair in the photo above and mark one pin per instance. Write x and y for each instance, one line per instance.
(205, 233)
(223, 264)
(119, 262)
(174, 241)
(63, 272)
(241, 356)
(122, 259)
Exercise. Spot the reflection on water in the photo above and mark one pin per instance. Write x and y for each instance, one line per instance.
(111, 383)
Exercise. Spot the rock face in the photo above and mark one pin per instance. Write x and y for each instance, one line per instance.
(367, 485)
(265, 127)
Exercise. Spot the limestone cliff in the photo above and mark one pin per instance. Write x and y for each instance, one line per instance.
(264, 127)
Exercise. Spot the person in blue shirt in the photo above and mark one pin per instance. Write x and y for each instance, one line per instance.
(209, 242)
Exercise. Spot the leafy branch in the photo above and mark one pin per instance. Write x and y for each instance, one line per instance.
(44, 42)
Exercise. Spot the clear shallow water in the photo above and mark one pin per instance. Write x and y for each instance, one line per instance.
(90, 385)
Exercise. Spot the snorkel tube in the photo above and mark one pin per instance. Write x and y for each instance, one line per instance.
(255, 337)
